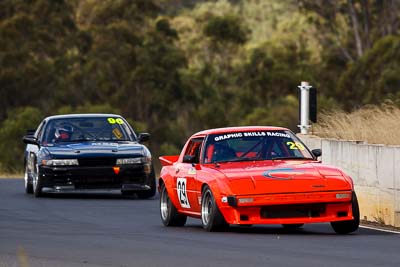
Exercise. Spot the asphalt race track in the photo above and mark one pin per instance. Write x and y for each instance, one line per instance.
(108, 230)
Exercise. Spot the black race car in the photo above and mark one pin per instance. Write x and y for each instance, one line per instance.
(88, 152)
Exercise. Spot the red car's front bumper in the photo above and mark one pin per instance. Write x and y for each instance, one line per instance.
(290, 208)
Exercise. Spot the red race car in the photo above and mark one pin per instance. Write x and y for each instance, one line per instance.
(254, 175)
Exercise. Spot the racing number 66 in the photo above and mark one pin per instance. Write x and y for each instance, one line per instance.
(113, 121)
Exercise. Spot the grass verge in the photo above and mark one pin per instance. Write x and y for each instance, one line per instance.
(373, 124)
(11, 175)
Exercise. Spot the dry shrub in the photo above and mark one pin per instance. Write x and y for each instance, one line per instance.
(373, 124)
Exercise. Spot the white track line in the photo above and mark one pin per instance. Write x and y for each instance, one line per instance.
(378, 229)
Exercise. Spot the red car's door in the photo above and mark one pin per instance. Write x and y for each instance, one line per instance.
(185, 177)
(186, 187)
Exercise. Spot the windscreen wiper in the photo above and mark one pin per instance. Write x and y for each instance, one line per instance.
(238, 160)
(82, 140)
(291, 157)
(246, 159)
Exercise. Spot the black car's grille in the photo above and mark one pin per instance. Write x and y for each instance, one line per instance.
(90, 162)
(100, 178)
(292, 211)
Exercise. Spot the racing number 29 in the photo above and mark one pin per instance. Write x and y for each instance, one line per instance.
(182, 194)
(295, 145)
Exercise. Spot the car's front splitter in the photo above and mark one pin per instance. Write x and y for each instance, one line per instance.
(315, 207)
(72, 189)
(67, 179)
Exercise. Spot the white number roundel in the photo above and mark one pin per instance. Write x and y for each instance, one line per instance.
(182, 194)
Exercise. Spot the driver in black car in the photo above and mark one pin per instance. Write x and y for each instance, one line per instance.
(63, 133)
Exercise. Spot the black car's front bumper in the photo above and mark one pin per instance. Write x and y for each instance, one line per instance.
(79, 178)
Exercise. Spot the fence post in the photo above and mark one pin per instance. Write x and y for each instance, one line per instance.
(304, 107)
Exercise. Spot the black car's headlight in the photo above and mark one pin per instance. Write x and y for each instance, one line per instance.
(60, 162)
(146, 161)
(126, 161)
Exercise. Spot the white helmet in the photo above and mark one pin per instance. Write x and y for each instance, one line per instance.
(64, 132)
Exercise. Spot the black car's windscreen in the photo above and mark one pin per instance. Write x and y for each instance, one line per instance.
(87, 129)
(247, 146)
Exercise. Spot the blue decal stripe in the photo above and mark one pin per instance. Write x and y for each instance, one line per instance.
(269, 173)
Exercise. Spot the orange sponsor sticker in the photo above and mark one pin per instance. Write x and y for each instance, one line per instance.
(117, 133)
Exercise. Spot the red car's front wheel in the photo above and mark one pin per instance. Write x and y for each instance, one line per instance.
(211, 217)
(346, 227)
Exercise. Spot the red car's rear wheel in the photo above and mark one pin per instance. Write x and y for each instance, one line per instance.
(169, 214)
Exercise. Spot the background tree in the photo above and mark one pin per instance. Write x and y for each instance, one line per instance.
(37, 40)
(375, 77)
(174, 67)
(11, 132)
(348, 30)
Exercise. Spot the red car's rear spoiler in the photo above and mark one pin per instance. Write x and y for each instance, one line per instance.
(168, 160)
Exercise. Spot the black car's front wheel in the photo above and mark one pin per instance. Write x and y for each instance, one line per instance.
(153, 187)
(346, 227)
(169, 214)
(36, 182)
(28, 181)
(211, 218)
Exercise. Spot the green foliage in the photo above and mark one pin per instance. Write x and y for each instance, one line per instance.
(174, 67)
(284, 112)
(35, 38)
(11, 132)
(163, 25)
(88, 108)
(349, 32)
(169, 149)
(375, 77)
(225, 29)
(107, 12)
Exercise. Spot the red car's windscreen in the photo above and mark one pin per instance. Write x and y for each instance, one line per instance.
(257, 145)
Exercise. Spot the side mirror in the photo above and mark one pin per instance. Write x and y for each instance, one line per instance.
(30, 132)
(143, 137)
(316, 152)
(29, 139)
(188, 159)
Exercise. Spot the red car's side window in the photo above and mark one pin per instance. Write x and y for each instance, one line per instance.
(193, 149)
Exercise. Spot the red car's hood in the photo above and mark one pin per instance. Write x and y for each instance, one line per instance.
(282, 177)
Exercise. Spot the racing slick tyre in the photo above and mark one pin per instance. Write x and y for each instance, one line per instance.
(149, 193)
(36, 183)
(169, 214)
(292, 226)
(28, 182)
(211, 218)
(346, 227)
